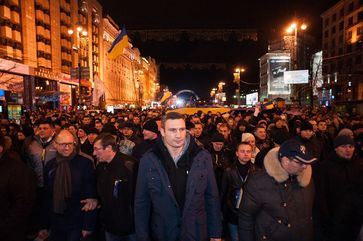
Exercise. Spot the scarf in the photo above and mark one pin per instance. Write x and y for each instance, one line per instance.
(62, 187)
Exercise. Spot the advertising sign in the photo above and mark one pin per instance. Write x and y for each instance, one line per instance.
(277, 66)
(252, 99)
(296, 77)
(65, 97)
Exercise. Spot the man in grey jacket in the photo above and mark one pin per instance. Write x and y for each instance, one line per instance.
(277, 202)
(176, 192)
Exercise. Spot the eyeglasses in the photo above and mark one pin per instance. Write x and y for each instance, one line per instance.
(64, 145)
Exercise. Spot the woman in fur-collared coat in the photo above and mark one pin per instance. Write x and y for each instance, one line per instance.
(278, 200)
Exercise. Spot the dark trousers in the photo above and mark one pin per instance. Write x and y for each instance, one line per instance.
(74, 235)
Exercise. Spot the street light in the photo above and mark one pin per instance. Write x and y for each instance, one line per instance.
(294, 28)
(81, 33)
(237, 80)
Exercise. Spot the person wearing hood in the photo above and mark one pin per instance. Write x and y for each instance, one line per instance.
(339, 192)
(277, 202)
(176, 192)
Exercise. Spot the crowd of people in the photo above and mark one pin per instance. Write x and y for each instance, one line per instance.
(163, 176)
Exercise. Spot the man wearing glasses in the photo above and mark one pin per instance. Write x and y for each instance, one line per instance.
(278, 200)
(69, 182)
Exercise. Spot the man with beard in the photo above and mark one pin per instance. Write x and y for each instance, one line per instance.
(340, 192)
(176, 193)
(69, 181)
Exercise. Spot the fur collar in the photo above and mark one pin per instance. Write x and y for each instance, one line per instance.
(274, 169)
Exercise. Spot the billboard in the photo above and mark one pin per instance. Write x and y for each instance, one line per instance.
(277, 66)
(296, 77)
(252, 99)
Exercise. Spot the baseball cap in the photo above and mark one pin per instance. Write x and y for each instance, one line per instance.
(295, 149)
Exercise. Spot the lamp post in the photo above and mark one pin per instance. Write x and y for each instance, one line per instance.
(237, 80)
(294, 28)
(81, 34)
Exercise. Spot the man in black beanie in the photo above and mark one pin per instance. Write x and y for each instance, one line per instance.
(308, 138)
(150, 133)
(339, 192)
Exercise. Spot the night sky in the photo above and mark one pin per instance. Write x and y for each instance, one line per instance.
(269, 18)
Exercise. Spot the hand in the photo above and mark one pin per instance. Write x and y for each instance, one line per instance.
(90, 204)
(86, 233)
(43, 234)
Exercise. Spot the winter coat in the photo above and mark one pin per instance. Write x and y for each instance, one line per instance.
(83, 187)
(276, 206)
(140, 149)
(157, 213)
(115, 185)
(38, 154)
(339, 197)
(232, 184)
(17, 197)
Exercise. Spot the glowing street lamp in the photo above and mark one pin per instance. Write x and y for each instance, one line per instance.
(294, 28)
(237, 80)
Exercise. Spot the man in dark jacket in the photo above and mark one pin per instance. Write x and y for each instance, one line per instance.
(277, 202)
(234, 178)
(69, 181)
(150, 133)
(115, 185)
(176, 192)
(340, 192)
(17, 195)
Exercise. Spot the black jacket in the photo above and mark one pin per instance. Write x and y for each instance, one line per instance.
(17, 197)
(116, 184)
(275, 205)
(232, 183)
(140, 149)
(339, 197)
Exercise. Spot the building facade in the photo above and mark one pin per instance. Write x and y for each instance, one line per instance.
(343, 53)
(40, 37)
(130, 78)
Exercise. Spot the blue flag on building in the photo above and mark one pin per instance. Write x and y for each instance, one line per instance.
(117, 47)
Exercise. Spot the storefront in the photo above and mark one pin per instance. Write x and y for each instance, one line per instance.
(12, 75)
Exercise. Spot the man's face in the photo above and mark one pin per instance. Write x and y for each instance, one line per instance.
(244, 153)
(99, 126)
(306, 134)
(174, 133)
(322, 126)
(102, 154)
(230, 122)
(86, 120)
(136, 120)
(292, 166)
(345, 151)
(279, 123)
(314, 124)
(104, 120)
(81, 133)
(73, 130)
(260, 133)
(149, 135)
(224, 131)
(65, 144)
(127, 132)
(92, 137)
(217, 146)
(45, 131)
(198, 130)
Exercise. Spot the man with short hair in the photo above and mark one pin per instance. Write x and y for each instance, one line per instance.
(278, 200)
(233, 181)
(69, 181)
(115, 184)
(262, 139)
(200, 136)
(176, 193)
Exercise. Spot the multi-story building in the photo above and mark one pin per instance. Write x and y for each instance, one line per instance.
(343, 52)
(130, 78)
(272, 68)
(40, 45)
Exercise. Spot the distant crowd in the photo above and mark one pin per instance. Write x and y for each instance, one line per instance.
(160, 175)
